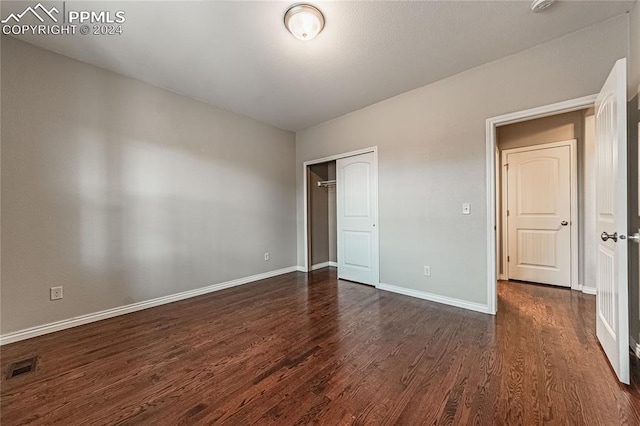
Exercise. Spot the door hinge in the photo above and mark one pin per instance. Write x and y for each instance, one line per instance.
(508, 258)
(507, 212)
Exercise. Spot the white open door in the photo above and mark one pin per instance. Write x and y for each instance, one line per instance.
(612, 325)
(356, 205)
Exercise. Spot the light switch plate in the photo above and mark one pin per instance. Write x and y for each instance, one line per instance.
(466, 208)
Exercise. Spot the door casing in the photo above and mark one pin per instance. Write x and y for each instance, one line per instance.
(491, 182)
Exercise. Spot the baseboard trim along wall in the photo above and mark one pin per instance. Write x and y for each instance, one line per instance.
(589, 290)
(40, 330)
(319, 266)
(435, 298)
(324, 265)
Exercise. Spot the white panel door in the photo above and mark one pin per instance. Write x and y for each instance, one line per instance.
(356, 204)
(539, 215)
(612, 325)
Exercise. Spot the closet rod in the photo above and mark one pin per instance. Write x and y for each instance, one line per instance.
(327, 182)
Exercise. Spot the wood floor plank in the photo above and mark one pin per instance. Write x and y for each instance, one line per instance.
(308, 348)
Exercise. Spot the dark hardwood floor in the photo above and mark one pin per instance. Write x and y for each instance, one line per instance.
(298, 350)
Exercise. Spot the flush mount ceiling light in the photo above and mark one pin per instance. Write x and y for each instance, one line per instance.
(304, 21)
(540, 5)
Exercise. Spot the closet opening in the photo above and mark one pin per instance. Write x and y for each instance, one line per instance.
(321, 216)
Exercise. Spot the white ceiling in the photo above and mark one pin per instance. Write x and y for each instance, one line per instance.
(237, 55)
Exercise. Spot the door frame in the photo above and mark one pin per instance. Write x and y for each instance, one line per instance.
(307, 239)
(491, 182)
(575, 225)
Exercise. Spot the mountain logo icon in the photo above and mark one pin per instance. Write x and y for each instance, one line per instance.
(33, 11)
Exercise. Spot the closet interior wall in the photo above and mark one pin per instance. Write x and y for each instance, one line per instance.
(322, 215)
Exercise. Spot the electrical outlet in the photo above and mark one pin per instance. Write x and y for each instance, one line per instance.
(267, 256)
(427, 271)
(466, 208)
(56, 293)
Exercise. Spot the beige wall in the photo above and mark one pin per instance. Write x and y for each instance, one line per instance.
(555, 128)
(587, 218)
(431, 144)
(634, 51)
(322, 214)
(318, 214)
(576, 125)
(122, 192)
(333, 230)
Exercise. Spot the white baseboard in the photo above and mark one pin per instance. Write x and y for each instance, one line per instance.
(320, 265)
(28, 333)
(435, 298)
(589, 290)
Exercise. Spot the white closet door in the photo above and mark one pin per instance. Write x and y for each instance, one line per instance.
(357, 218)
